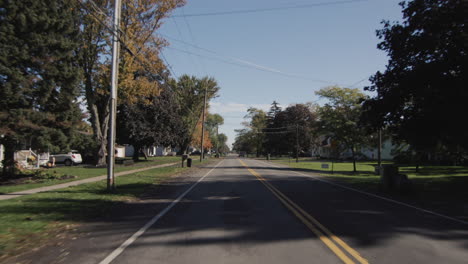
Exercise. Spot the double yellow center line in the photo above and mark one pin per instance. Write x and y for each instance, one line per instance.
(326, 236)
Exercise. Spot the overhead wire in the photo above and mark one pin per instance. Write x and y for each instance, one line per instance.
(180, 35)
(192, 36)
(245, 64)
(246, 11)
(128, 49)
(240, 61)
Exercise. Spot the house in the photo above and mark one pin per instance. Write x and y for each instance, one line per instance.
(385, 153)
(151, 151)
(325, 150)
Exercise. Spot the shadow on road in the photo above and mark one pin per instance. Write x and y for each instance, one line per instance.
(246, 211)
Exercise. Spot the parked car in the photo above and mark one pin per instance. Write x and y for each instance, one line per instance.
(71, 158)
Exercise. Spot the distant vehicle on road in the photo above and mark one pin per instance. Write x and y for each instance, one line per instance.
(242, 154)
(71, 158)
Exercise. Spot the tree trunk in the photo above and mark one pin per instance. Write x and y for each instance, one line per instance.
(99, 110)
(354, 159)
(184, 146)
(136, 152)
(145, 154)
(9, 145)
(100, 126)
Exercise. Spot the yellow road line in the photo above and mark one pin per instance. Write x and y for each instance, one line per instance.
(309, 221)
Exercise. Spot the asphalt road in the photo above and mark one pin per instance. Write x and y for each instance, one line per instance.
(248, 211)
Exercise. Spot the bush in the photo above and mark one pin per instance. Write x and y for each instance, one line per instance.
(45, 174)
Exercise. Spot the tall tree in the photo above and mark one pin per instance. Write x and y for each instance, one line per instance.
(222, 141)
(340, 115)
(250, 138)
(422, 91)
(274, 110)
(258, 122)
(196, 137)
(294, 125)
(141, 70)
(213, 121)
(190, 93)
(151, 121)
(38, 74)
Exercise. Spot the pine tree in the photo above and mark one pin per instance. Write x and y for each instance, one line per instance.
(38, 74)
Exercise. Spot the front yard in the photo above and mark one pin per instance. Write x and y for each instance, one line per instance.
(440, 188)
(30, 220)
(74, 173)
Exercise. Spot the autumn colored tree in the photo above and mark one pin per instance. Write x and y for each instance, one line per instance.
(196, 137)
(142, 73)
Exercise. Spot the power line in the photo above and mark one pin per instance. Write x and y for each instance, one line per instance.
(192, 36)
(358, 82)
(246, 64)
(246, 11)
(237, 61)
(169, 67)
(180, 35)
(128, 49)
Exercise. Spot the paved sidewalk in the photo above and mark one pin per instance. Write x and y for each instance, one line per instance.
(74, 183)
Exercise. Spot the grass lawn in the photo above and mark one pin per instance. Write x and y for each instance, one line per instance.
(26, 221)
(440, 187)
(83, 172)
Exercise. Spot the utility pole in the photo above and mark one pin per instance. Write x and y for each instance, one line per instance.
(113, 97)
(202, 153)
(217, 139)
(297, 143)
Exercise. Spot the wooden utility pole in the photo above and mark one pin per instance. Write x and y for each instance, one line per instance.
(202, 152)
(113, 97)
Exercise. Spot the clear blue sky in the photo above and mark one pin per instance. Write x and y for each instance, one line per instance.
(304, 49)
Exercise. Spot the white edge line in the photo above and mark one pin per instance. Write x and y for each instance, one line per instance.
(142, 230)
(374, 195)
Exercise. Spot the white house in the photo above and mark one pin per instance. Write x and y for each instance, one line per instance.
(152, 151)
(325, 150)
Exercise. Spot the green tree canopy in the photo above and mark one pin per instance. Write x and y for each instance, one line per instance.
(340, 116)
(296, 121)
(213, 121)
(422, 91)
(152, 121)
(38, 74)
(190, 92)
